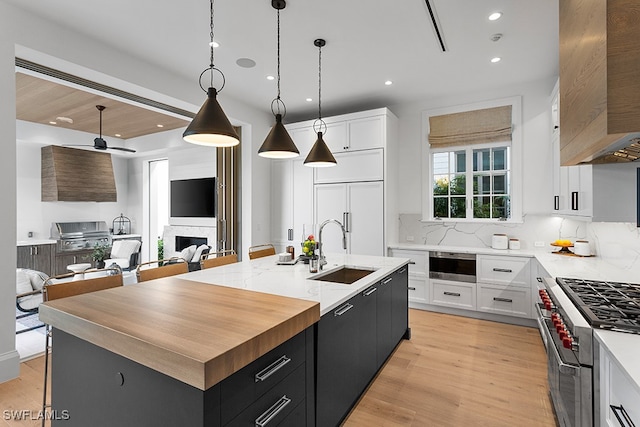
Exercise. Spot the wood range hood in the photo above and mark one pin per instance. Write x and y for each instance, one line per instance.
(75, 175)
(599, 81)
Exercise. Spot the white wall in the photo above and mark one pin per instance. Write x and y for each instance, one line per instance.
(35, 39)
(536, 151)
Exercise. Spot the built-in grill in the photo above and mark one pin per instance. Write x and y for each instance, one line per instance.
(74, 236)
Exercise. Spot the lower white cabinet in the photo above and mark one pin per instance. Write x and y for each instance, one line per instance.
(619, 397)
(507, 300)
(418, 273)
(453, 294)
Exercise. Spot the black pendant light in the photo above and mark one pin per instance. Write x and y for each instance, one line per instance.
(211, 126)
(320, 155)
(278, 144)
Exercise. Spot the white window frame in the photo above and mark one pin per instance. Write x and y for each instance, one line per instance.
(516, 172)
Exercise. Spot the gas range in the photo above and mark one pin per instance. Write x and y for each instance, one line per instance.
(605, 305)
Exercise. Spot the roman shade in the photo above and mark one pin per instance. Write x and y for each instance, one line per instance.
(470, 127)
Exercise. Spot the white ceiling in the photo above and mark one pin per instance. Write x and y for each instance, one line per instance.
(368, 42)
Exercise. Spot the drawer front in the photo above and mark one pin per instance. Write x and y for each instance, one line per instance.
(420, 258)
(504, 300)
(275, 406)
(504, 270)
(417, 289)
(248, 384)
(453, 294)
(621, 393)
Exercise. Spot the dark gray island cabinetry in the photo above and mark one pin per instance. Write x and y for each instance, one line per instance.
(354, 340)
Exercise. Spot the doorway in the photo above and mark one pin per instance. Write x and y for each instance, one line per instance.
(227, 173)
(158, 206)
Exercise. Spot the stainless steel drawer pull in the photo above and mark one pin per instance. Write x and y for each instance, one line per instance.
(452, 294)
(503, 270)
(369, 291)
(539, 279)
(384, 282)
(271, 413)
(290, 234)
(342, 310)
(412, 262)
(621, 414)
(502, 299)
(412, 288)
(272, 369)
(402, 271)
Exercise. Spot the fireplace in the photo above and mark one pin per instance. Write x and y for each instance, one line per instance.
(186, 241)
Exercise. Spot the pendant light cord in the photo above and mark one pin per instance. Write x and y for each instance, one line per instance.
(278, 10)
(211, 42)
(319, 82)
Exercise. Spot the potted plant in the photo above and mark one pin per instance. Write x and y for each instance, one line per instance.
(100, 252)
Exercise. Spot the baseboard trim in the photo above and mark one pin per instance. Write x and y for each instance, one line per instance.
(520, 321)
(9, 365)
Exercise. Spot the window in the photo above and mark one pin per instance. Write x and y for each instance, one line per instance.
(487, 194)
(469, 163)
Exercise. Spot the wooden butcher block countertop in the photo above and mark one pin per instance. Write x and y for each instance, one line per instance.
(197, 333)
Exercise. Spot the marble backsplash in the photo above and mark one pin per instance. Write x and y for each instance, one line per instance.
(608, 240)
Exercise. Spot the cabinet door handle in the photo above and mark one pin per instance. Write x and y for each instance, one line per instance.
(271, 413)
(412, 288)
(35, 248)
(290, 234)
(412, 262)
(342, 310)
(502, 299)
(384, 282)
(75, 261)
(503, 270)
(574, 200)
(539, 279)
(402, 271)
(31, 250)
(623, 417)
(556, 203)
(272, 369)
(346, 219)
(452, 294)
(369, 291)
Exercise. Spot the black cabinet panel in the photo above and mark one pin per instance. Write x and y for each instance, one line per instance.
(367, 337)
(383, 321)
(400, 305)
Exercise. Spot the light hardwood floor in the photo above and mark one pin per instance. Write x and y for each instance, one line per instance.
(454, 371)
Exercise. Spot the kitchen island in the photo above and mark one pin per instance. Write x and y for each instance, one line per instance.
(182, 351)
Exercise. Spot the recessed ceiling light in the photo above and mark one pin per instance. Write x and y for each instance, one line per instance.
(309, 99)
(117, 135)
(496, 59)
(495, 16)
(388, 82)
(53, 123)
(64, 119)
(214, 44)
(246, 62)
(160, 126)
(270, 78)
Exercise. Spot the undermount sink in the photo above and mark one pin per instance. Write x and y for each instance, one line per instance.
(345, 275)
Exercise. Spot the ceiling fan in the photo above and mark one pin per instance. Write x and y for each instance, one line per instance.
(99, 143)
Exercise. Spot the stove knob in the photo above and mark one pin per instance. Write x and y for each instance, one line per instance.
(554, 317)
(547, 305)
(567, 342)
(564, 335)
(560, 328)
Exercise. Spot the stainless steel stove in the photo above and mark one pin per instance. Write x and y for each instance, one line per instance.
(75, 236)
(568, 312)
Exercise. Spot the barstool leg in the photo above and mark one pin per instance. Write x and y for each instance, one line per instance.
(46, 374)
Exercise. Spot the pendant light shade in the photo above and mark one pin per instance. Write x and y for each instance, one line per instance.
(278, 144)
(320, 156)
(210, 126)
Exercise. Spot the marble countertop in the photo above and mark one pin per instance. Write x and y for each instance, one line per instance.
(264, 275)
(125, 236)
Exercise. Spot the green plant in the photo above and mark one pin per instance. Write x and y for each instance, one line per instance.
(160, 249)
(100, 252)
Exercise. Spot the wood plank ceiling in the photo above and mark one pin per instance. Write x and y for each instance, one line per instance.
(43, 101)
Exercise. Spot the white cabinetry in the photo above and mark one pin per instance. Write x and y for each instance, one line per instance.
(359, 207)
(452, 294)
(572, 185)
(619, 395)
(292, 201)
(355, 190)
(504, 285)
(418, 273)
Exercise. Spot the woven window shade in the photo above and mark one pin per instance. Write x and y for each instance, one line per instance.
(471, 127)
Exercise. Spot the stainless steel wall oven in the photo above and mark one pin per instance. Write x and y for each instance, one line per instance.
(460, 267)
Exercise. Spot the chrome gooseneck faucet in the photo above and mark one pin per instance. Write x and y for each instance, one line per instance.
(323, 261)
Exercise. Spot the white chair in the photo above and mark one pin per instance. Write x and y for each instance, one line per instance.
(29, 294)
(125, 254)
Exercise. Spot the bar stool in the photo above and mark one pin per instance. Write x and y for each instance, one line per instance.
(259, 251)
(209, 260)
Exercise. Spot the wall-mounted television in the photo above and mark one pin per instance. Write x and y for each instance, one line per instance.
(193, 198)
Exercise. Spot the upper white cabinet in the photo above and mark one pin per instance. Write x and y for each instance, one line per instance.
(572, 185)
(366, 165)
